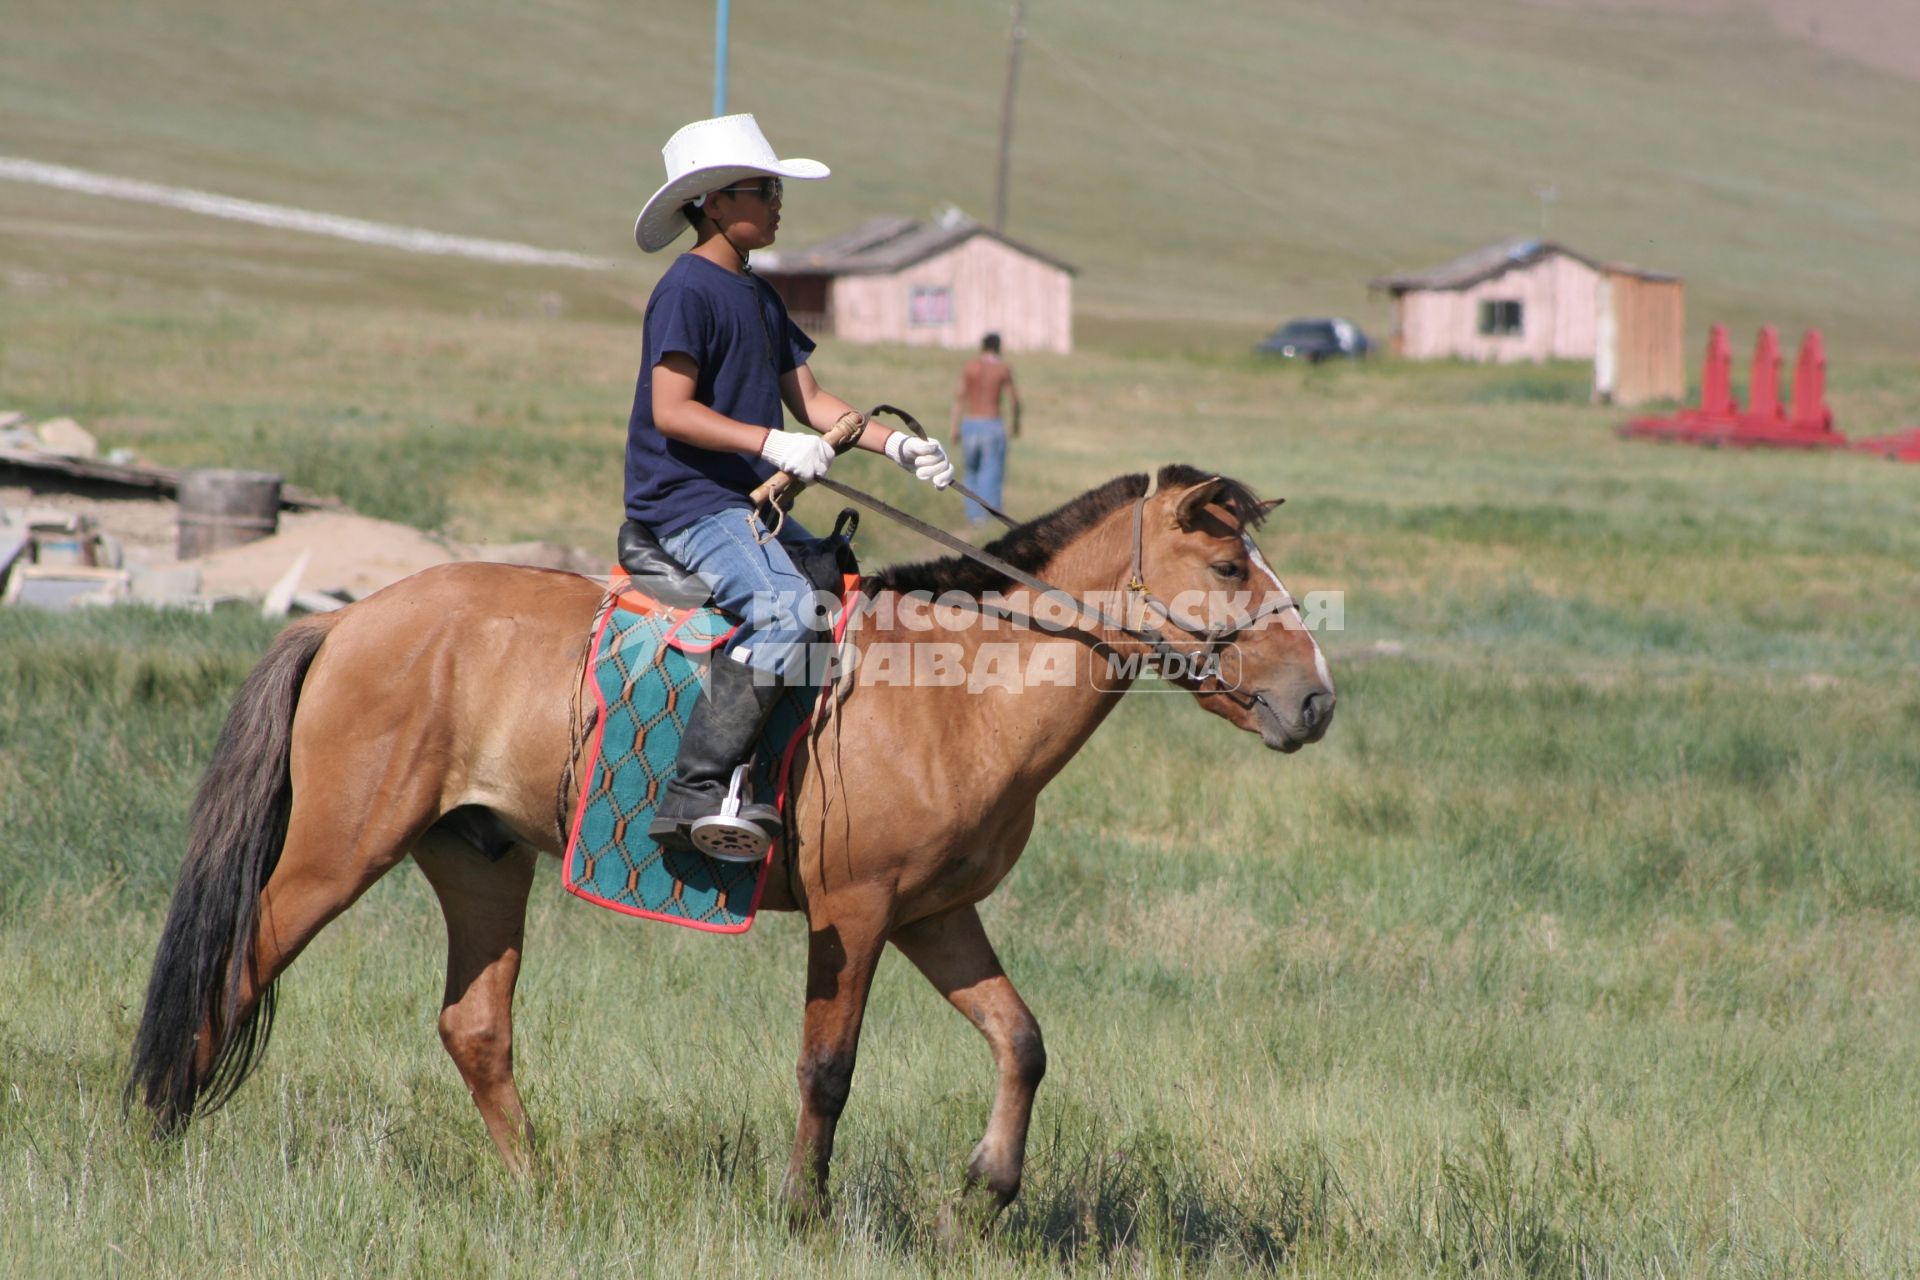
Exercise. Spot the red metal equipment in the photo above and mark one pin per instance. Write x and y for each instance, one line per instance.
(1763, 383)
(1810, 409)
(1716, 387)
(1901, 446)
(1719, 421)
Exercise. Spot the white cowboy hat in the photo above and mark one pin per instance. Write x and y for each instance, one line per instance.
(703, 157)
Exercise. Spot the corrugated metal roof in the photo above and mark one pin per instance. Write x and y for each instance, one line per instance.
(883, 245)
(1496, 259)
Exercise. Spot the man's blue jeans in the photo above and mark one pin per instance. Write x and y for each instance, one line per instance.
(756, 582)
(983, 455)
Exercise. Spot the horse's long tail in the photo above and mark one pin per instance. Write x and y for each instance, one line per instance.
(238, 824)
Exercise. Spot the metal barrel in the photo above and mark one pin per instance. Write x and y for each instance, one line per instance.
(223, 508)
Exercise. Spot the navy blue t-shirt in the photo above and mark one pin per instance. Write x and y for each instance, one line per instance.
(736, 329)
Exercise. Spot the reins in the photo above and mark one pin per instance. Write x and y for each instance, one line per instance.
(1156, 642)
(777, 493)
(913, 425)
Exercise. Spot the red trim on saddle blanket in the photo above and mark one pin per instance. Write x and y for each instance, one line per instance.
(626, 597)
(633, 600)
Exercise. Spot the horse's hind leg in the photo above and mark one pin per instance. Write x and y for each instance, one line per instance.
(322, 870)
(485, 904)
(952, 950)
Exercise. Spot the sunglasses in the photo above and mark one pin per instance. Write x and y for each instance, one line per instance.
(768, 189)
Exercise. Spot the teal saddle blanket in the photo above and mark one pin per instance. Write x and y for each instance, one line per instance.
(647, 675)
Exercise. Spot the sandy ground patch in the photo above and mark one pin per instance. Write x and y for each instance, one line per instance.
(346, 553)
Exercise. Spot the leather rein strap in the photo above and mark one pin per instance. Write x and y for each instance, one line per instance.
(1155, 641)
(913, 425)
(778, 496)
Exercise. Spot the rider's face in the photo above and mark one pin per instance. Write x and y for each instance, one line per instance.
(748, 211)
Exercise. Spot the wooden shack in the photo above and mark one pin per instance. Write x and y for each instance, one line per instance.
(1535, 300)
(941, 283)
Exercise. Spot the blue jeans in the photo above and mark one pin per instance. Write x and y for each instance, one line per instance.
(983, 456)
(756, 582)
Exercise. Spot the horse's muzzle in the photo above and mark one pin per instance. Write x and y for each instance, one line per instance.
(1307, 723)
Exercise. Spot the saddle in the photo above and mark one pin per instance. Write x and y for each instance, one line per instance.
(654, 573)
(650, 643)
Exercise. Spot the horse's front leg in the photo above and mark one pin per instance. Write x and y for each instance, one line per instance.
(843, 949)
(952, 950)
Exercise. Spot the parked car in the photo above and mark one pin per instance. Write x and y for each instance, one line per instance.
(1315, 340)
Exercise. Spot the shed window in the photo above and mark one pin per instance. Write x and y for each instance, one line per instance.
(929, 306)
(1499, 318)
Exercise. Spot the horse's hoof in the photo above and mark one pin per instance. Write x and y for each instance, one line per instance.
(806, 1209)
(948, 1229)
(969, 1216)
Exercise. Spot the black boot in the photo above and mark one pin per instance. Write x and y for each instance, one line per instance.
(721, 734)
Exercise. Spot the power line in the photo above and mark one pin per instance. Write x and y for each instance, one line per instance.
(1006, 115)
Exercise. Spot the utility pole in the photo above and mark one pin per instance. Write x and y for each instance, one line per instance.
(1006, 115)
(720, 57)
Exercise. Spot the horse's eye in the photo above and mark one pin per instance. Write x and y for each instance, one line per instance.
(1230, 569)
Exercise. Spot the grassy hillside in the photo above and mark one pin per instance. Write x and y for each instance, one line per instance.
(1210, 167)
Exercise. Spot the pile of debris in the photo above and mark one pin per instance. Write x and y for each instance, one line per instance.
(79, 530)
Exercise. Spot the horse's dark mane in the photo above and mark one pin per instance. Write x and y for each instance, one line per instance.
(1034, 543)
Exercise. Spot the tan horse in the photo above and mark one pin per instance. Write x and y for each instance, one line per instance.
(459, 690)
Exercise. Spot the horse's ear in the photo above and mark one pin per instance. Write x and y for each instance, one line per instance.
(1266, 508)
(1189, 505)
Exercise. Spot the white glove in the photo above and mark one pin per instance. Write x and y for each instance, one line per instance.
(804, 457)
(925, 458)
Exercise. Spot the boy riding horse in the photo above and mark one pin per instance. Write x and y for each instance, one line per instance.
(720, 358)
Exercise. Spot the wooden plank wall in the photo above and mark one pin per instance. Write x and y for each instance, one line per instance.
(1557, 296)
(1029, 303)
(1651, 316)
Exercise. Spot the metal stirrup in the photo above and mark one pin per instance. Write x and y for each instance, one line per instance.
(728, 836)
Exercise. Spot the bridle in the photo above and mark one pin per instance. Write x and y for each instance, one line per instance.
(1211, 638)
(1154, 638)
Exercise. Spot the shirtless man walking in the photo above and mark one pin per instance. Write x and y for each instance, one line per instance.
(979, 431)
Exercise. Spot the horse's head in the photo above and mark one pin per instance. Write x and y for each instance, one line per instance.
(1199, 580)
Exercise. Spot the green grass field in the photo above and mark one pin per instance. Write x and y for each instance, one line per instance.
(1588, 942)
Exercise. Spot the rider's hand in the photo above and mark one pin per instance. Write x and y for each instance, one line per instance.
(805, 458)
(925, 458)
